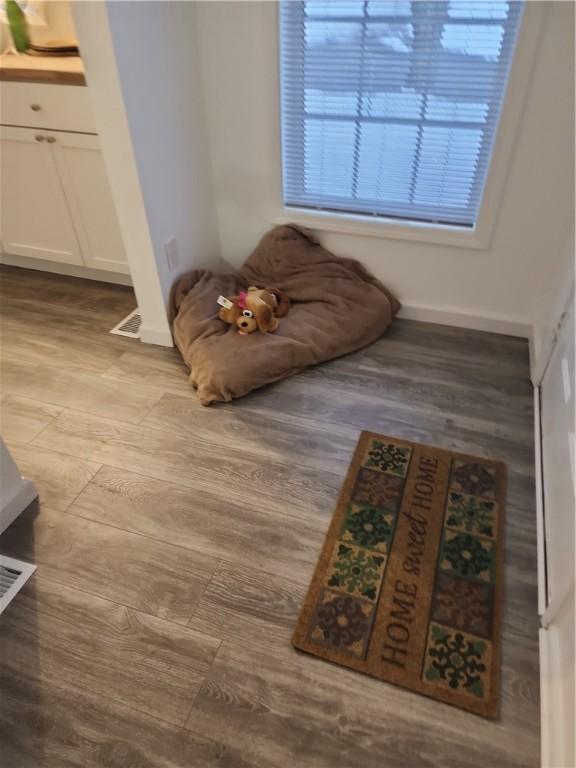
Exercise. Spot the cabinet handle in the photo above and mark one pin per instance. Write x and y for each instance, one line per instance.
(50, 139)
(39, 138)
(35, 107)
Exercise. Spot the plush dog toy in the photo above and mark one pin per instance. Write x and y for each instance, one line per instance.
(254, 309)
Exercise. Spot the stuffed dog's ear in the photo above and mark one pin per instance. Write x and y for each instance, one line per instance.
(265, 318)
(283, 302)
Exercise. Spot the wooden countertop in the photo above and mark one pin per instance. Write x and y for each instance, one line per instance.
(65, 70)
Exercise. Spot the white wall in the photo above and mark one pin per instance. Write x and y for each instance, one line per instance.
(158, 64)
(496, 288)
(142, 72)
(103, 82)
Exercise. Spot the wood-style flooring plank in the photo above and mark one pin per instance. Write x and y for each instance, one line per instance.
(253, 433)
(61, 321)
(77, 641)
(461, 351)
(28, 533)
(22, 419)
(201, 521)
(283, 708)
(58, 478)
(139, 572)
(42, 289)
(249, 607)
(46, 725)
(65, 341)
(64, 354)
(232, 474)
(358, 397)
(158, 366)
(79, 390)
(62, 317)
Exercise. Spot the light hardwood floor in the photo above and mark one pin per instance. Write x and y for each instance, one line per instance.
(174, 545)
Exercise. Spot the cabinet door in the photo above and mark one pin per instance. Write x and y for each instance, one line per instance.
(85, 182)
(35, 218)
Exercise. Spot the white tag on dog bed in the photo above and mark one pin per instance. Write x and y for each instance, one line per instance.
(224, 302)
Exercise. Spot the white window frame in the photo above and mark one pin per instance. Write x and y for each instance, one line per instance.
(479, 236)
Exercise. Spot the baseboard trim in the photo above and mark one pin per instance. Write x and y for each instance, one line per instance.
(158, 336)
(460, 318)
(71, 270)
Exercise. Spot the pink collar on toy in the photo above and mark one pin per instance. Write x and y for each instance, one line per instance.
(242, 299)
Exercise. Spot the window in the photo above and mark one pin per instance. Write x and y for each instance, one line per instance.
(390, 107)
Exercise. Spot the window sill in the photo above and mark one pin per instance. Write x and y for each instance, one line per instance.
(368, 226)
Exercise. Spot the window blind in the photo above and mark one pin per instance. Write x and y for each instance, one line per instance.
(390, 107)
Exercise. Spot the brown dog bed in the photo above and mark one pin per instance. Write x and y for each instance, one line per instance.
(337, 306)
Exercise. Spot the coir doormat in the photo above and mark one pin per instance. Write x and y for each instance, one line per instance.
(409, 581)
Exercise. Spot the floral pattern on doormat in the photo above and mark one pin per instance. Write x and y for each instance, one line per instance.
(474, 478)
(356, 571)
(378, 490)
(342, 622)
(470, 514)
(387, 457)
(465, 555)
(458, 661)
(463, 604)
(368, 527)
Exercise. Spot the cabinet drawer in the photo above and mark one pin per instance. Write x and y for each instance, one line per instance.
(56, 107)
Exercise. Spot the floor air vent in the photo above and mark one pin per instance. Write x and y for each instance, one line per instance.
(130, 326)
(13, 575)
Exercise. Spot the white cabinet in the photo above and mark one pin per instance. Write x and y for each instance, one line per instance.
(34, 105)
(56, 202)
(85, 183)
(35, 219)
